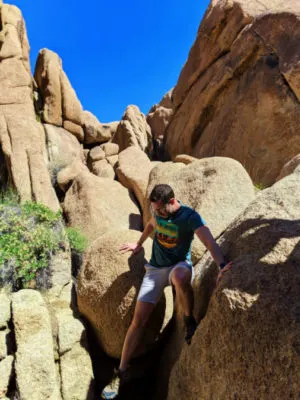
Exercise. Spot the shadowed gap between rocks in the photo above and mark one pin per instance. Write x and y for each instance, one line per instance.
(11, 346)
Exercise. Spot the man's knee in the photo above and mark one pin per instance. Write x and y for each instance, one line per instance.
(141, 316)
(181, 277)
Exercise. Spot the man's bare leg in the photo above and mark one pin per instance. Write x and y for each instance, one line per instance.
(141, 315)
(181, 279)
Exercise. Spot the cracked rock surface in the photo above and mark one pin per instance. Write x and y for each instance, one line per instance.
(238, 94)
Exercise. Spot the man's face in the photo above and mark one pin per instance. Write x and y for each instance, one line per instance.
(161, 209)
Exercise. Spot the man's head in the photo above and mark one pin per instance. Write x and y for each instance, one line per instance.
(163, 200)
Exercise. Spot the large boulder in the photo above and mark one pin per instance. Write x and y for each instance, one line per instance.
(160, 116)
(47, 75)
(35, 367)
(240, 87)
(6, 372)
(61, 106)
(158, 121)
(247, 346)
(22, 138)
(71, 106)
(94, 131)
(75, 129)
(76, 371)
(133, 172)
(218, 188)
(97, 205)
(133, 130)
(108, 285)
(62, 148)
(66, 176)
(103, 169)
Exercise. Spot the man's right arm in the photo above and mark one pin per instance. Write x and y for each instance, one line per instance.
(136, 247)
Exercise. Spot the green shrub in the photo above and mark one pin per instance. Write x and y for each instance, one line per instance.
(78, 241)
(29, 234)
(259, 186)
(8, 197)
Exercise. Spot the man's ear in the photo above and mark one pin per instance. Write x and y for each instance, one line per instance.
(172, 201)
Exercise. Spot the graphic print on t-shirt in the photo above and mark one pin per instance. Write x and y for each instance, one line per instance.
(167, 234)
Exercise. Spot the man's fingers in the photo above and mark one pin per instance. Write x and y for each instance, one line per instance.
(225, 269)
(137, 250)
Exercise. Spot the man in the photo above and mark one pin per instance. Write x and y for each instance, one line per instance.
(170, 264)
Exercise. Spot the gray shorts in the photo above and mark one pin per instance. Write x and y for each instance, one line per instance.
(156, 279)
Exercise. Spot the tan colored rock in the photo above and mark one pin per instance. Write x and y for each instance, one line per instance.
(4, 310)
(5, 374)
(60, 267)
(158, 121)
(94, 131)
(13, 72)
(97, 205)
(75, 129)
(71, 106)
(113, 161)
(239, 87)
(34, 358)
(257, 299)
(167, 100)
(133, 130)
(21, 137)
(11, 46)
(3, 348)
(12, 15)
(185, 159)
(96, 154)
(62, 148)
(67, 175)
(107, 288)
(47, 75)
(218, 188)
(69, 333)
(103, 169)
(133, 172)
(77, 379)
(289, 167)
(23, 144)
(110, 149)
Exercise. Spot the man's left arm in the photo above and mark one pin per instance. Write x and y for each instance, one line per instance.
(204, 234)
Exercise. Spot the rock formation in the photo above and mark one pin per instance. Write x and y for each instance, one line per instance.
(98, 205)
(22, 138)
(61, 106)
(238, 93)
(133, 130)
(218, 188)
(249, 340)
(107, 289)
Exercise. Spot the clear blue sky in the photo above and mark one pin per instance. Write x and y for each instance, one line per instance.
(115, 53)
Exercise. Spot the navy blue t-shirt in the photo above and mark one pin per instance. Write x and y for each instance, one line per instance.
(173, 237)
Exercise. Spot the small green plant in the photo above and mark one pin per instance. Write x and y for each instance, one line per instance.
(9, 197)
(259, 186)
(78, 241)
(28, 237)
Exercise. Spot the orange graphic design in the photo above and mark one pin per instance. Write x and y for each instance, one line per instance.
(167, 234)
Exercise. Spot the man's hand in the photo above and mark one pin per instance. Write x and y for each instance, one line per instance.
(223, 271)
(134, 247)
